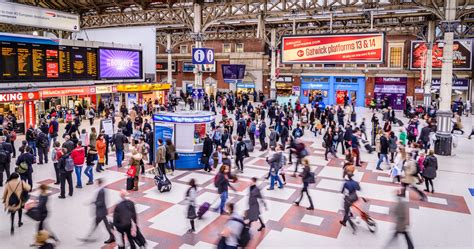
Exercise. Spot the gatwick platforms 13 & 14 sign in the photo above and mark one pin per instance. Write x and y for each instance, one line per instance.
(331, 49)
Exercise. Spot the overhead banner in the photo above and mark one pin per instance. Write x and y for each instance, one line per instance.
(19, 14)
(330, 49)
(71, 91)
(462, 55)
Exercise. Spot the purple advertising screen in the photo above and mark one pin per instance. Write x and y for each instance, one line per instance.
(233, 71)
(115, 63)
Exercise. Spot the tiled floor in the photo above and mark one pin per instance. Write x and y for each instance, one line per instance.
(444, 221)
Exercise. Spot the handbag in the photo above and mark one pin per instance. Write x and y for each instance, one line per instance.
(132, 171)
(139, 238)
(34, 214)
(25, 195)
(176, 156)
(204, 160)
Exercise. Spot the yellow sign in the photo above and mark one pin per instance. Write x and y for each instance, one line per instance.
(139, 87)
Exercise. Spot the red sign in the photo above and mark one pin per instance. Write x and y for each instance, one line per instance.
(70, 91)
(52, 67)
(21, 96)
(30, 114)
(318, 49)
(462, 55)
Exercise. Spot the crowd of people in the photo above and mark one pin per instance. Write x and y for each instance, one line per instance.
(243, 125)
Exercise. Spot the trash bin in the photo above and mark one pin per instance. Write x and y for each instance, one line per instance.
(443, 144)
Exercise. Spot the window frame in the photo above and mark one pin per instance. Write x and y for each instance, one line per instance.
(224, 45)
(395, 46)
(181, 47)
(237, 45)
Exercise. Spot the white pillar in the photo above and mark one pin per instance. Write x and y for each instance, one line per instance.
(273, 64)
(170, 72)
(429, 65)
(444, 114)
(198, 44)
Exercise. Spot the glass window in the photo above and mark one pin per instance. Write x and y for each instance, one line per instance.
(395, 57)
(183, 49)
(239, 48)
(227, 48)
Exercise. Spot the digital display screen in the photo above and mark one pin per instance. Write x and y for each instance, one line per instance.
(120, 63)
(38, 56)
(64, 62)
(91, 55)
(233, 71)
(52, 63)
(23, 52)
(79, 62)
(9, 61)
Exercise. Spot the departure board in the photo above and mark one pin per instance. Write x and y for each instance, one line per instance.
(9, 60)
(23, 51)
(79, 62)
(64, 62)
(52, 63)
(91, 63)
(38, 61)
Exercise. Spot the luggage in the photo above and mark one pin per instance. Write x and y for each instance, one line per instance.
(203, 209)
(399, 122)
(139, 239)
(369, 147)
(353, 117)
(130, 183)
(249, 145)
(163, 183)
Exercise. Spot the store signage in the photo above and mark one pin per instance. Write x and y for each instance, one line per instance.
(391, 80)
(389, 88)
(176, 119)
(162, 66)
(419, 90)
(72, 91)
(246, 85)
(30, 114)
(20, 14)
(143, 87)
(22, 96)
(462, 55)
(286, 79)
(118, 63)
(318, 49)
(459, 84)
(203, 56)
(105, 89)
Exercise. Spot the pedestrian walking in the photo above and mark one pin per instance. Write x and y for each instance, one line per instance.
(125, 221)
(24, 164)
(119, 140)
(349, 190)
(430, 166)
(401, 213)
(190, 197)
(308, 177)
(241, 152)
(6, 151)
(255, 197)
(13, 198)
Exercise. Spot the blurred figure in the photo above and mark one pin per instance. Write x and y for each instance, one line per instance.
(12, 198)
(125, 221)
(401, 216)
(255, 196)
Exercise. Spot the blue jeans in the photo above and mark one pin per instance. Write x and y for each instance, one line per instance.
(224, 196)
(78, 170)
(382, 156)
(32, 144)
(272, 181)
(88, 172)
(119, 155)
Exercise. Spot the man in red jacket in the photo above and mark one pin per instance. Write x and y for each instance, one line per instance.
(78, 157)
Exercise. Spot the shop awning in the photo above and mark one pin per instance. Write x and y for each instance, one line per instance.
(139, 87)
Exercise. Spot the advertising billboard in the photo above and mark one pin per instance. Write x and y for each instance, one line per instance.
(322, 49)
(233, 71)
(117, 63)
(462, 55)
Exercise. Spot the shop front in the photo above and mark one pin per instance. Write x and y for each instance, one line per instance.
(22, 106)
(332, 90)
(245, 88)
(68, 98)
(137, 93)
(460, 88)
(394, 89)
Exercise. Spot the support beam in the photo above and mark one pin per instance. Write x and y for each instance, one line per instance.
(169, 51)
(429, 64)
(273, 64)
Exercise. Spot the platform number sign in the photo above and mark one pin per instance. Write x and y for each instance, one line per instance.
(203, 56)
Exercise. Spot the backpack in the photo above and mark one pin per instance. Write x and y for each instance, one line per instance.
(297, 133)
(69, 164)
(43, 142)
(4, 157)
(245, 236)
(14, 200)
(253, 127)
(23, 168)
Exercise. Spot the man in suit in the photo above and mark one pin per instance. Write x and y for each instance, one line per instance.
(6, 150)
(101, 214)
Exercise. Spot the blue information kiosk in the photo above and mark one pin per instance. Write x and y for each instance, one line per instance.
(187, 130)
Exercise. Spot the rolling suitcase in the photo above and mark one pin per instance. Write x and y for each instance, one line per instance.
(249, 145)
(129, 183)
(162, 182)
(353, 117)
(369, 148)
(399, 122)
(203, 209)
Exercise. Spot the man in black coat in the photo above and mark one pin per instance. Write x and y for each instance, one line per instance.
(384, 145)
(263, 133)
(207, 149)
(241, 127)
(64, 175)
(125, 220)
(42, 144)
(284, 134)
(6, 150)
(68, 144)
(101, 214)
(425, 137)
(240, 153)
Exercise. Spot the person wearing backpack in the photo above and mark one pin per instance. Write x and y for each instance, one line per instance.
(56, 154)
(42, 144)
(12, 198)
(31, 139)
(276, 162)
(66, 167)
(308, 177)
(235, 233)
(6, 150)
(241, 152)
(251, 131)
(53, 130)
(25, 165)
(297, 132)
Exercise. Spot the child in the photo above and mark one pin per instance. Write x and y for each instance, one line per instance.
(90, 162)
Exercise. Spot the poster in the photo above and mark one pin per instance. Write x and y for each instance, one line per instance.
(462, 55)
(164, 132)
(348, 48)
(131, 100)
(117, 63)
(189, 161)
(30, 114)
(107, 126)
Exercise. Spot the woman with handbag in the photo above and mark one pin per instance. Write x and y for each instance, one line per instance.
(191, 200)
(13, 192)
(134, 166)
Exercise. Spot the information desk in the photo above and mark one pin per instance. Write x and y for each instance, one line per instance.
(187, 130)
